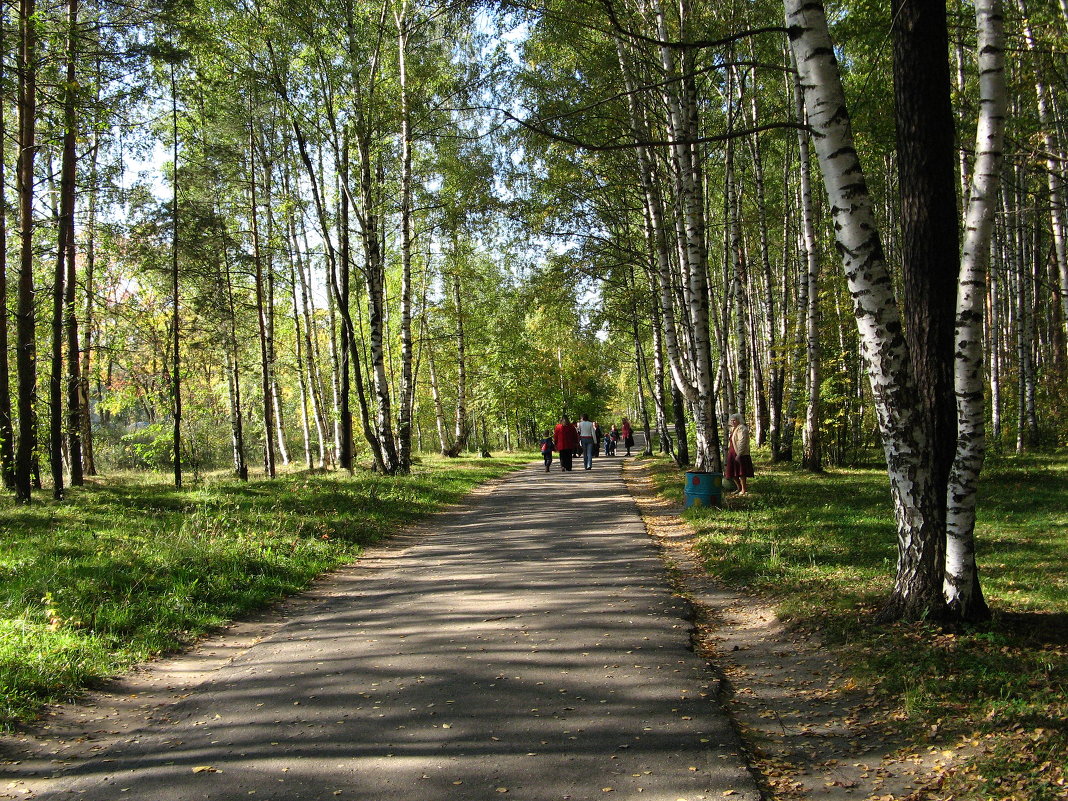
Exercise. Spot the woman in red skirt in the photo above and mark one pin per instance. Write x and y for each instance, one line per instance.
(739, 462)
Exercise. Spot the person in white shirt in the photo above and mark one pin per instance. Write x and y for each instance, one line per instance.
(587, 441)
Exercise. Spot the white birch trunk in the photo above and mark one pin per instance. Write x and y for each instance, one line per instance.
(994, 348)
(875, 307)
(406, 392)
(439, 409)
(962, 589)
(694, 250)
(462, 430)
(811, 452)
(680, 365)
(302, 382)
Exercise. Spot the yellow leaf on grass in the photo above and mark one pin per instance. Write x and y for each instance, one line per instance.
(206, 769)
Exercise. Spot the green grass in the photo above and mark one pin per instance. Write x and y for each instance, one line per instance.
(823, 548)
(128, 567)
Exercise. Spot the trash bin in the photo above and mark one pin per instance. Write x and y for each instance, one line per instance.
(704, 489)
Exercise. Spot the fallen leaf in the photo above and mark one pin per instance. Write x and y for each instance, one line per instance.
(206, 769)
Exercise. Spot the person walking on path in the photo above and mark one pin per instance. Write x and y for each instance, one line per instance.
(586, 439)
(628, 435)
(739, 463)
(547, 450)
(566, 440)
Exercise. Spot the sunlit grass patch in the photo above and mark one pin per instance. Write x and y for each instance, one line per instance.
(130, 568)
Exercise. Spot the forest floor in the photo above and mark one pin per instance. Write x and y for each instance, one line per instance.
(810, 724)
(810, 731)
(811, 728)
(524, 644)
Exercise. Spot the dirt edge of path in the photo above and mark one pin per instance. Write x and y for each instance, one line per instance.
(117, 708)
(809, 730)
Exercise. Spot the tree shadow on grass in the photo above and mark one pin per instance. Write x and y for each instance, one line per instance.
(1035, 628)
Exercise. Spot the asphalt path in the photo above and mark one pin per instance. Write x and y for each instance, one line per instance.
(527, 646)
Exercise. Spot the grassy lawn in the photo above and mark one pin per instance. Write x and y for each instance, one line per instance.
(823, 548)
(128, 568)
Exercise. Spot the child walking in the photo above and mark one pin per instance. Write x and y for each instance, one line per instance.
(547, 450)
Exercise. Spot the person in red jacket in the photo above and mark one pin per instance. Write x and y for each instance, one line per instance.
(566, 439)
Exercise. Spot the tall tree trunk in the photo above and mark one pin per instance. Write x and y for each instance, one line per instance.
(770, 346)
(693, 245)
(26, 354)
(641, 371)
(963, 592)
(667, 439)
(64, 248)
(176, 335)
(461, 430)
(734, 272)
(338, 364)
(315, 379)
(1055, 170)
(261, 306)
(67, 205)
(799, 365)
(343, 282)
(685, 324)
(7, 431)
(272, 349)
(918, 585)
(994, 346)
(90, 288)
(682, 444)
(406, 392)
(439, 409)
(375, 281)
(812, 456)
(302, 378)
(929, 230)
(233, 375)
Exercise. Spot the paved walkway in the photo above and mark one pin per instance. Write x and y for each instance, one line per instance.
(527, 647)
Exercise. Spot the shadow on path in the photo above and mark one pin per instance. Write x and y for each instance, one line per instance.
(525, 646)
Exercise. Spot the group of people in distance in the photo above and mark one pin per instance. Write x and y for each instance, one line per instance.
(585, 437)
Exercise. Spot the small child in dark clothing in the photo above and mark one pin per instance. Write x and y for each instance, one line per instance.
(547, 449)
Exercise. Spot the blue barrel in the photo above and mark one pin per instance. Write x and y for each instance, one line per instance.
(704, 489)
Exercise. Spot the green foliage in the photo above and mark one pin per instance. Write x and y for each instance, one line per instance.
(131, 568)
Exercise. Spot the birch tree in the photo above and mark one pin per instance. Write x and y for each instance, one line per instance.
(918, 584)
(962, 589)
